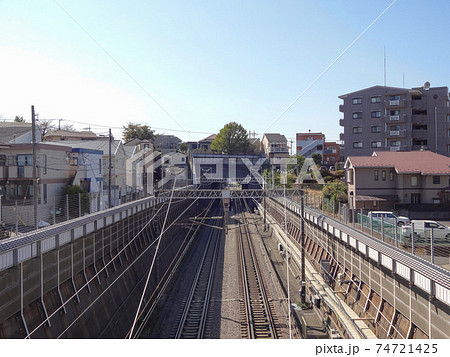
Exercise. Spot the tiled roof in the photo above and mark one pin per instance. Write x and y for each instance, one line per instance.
(275, 138)
(424, 162)
(9, 131)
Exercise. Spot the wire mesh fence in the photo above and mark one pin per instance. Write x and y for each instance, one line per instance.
(430, 244)
(20, 216)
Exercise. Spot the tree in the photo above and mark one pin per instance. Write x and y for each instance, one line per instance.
(67, 127)
(183, 147)
(137, 131)
(335, 192)
(46, 127)
(18, 119)
(317, 158)
(77, 196)
(232, 139)
(300, 161)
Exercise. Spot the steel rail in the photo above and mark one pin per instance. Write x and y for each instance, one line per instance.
(260, 316)
(200, 289)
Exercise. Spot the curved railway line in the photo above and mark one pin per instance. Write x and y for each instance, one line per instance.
(257, 310)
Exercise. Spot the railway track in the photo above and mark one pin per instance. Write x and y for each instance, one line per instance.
(258, 320)
(192, 321)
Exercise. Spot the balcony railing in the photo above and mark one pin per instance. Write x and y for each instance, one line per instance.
(400, 132)
(394, 117)
(394, 102)
(278, 150)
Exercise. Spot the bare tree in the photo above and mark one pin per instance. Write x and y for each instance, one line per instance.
(46, 127)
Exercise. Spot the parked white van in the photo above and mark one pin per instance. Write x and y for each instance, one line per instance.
(422, 229)
(389, 217)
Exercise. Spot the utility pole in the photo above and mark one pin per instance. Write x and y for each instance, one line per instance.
(34, 172)
(302, 235)
(109, 171)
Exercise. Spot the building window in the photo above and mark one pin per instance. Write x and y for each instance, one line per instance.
(2, 160)
(395, 143)
(394, 127)
(375, 175)
(436, 201)
(319, 147)
(383, 175)
(376, 99)
(375, 129)
(357, 130)
(376, 144)
(415, 198)
(356, 100)
(357, 115)
(44, 193)
(391, 175)
(24, 160)
(357, 145)
(394, 97)
(100, 166)
(44, 166)
(436, 180)
(376, 114)
(416, 97)
(394, 113)
(413, 180)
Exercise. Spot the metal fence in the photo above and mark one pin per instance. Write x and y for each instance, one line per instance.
(18, 216)
(432, 245)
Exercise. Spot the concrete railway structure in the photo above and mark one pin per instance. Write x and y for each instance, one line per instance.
(49, 282)
(84, 278)
(398, 295)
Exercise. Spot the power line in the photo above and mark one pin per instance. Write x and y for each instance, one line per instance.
(122, 68)
(328, 67)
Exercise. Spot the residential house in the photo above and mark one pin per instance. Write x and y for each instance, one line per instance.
(118, 167)
(166, 143)
(53, 172)
(18, 133)
(140, 167)
(89, 175)
(388, 180)
(274, 145)
(72, 135)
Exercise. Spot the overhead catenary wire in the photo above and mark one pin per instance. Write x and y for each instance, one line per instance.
(121, 67)
(153, 261)
(103, 268)
(321, 74)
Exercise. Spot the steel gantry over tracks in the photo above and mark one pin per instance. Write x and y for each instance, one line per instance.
(230, 193)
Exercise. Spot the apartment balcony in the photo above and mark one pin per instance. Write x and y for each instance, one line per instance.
(396, 133)
(341, 136)
(419, 119)
(397, 148)
(396, 118)
(395, 103)
(341, 122)
(3, 172)
(341, 108)
(419, 134)
(278, 150)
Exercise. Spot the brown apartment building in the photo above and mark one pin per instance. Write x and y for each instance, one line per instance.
(383, 118)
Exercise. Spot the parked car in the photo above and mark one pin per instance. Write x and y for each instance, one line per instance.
(423, 228)
(389, 217)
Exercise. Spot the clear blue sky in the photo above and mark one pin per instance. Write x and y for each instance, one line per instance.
(211, 62)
